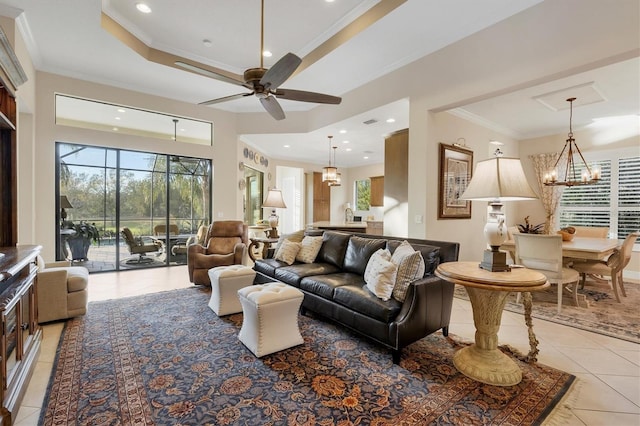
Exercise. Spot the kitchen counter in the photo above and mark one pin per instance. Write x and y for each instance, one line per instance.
(340, 226)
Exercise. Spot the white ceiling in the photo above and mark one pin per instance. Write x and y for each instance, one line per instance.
(65, 37)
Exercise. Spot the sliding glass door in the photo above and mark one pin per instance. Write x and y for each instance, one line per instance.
(158, 200)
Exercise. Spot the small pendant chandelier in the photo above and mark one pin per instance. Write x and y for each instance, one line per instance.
(330, 173)
(572, 175)
(338, 180)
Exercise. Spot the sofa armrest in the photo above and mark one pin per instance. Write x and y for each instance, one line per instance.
(426, 309)
(52, 294)
(58, 264)
(239, 251)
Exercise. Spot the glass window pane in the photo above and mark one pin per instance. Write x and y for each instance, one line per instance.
(363, 194)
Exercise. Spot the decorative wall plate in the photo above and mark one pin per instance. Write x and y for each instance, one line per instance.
(241, 166)
(241, 184)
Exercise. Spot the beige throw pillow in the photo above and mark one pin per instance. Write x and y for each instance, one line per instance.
(310, 246)
(380, 274)
(287, 251)
(410, 267)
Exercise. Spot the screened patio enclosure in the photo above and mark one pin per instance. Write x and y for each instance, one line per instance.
(161, 199)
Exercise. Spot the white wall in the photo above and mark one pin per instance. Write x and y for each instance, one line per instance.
(47, 133)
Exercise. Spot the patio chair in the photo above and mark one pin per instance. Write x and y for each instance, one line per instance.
(162, 229)
(543, 253)
(611, 267)
(137, 246)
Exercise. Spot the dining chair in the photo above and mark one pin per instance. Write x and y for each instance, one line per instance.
(611, 267)
(543, 253)
(591, 231)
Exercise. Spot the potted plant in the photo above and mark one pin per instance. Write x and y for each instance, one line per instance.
(79, 243)
(528, 228)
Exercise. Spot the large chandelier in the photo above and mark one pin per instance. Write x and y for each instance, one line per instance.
(572, 176)
(330, 173)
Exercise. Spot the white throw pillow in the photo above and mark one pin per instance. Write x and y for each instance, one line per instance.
(287, 251)
(410, 267)
(310, 246)
(380, 274)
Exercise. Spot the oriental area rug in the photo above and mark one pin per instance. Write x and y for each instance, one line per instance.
(597, 311)
(167, 359)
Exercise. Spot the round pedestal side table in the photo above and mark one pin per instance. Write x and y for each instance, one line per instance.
(488, 292)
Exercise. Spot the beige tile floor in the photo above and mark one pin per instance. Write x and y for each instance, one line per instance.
(607, 390)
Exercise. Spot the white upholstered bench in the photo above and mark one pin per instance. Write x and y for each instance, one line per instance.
(270, 317)
(225, 283)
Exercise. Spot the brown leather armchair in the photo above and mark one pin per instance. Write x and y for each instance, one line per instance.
(225, 244)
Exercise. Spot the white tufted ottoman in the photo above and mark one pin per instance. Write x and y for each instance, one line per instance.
(270, 322)
(225, 283)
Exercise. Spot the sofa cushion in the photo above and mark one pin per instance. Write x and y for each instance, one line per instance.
(430, 254)
(334, 246)
(294, 273)
(359, 250)
(380, 274)
(410, 268)
(310, 246)
(360, 299)
(324, 285)
(287, 251)
(267, 266)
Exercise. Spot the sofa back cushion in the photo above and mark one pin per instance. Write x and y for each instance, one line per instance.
(430, 254)
(359, 250)
(334, 246)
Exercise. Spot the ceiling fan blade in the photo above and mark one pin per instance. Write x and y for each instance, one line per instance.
(211, 74)
(304, 96)
(226, 98)
(281, 71)
(273, 107)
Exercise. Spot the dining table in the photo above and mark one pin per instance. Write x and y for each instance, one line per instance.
(577, 248)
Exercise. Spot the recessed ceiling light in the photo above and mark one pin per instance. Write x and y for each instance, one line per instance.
(117, 118)
(267, 54)
(183, 130)
(391, 120)
(345, 141)
(343, 131)
(348, 149)
(494, 142)
(142, 7)
(286, 146)
(207, 43)
(329, 1)
(115, 129)
(365, 157)
(122, 110)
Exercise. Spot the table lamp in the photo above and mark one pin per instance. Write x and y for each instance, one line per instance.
(275, 201)
(496, 180)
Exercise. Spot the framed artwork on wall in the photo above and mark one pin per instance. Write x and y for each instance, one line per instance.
(456, 167)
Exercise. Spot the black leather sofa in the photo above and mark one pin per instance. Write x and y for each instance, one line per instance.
(334, 288)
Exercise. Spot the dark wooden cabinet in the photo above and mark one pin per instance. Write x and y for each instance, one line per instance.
(21, 334)
(377, 191)
(321, 199)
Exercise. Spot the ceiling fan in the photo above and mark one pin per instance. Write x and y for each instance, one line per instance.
(265, 83)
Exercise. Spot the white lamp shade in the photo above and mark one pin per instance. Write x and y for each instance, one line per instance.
(499, 178)
(274, 199)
